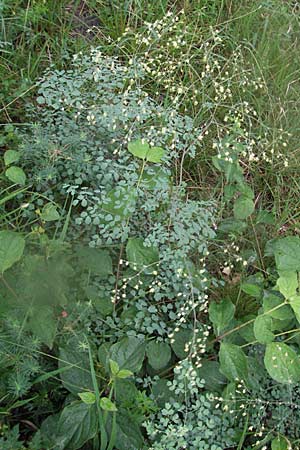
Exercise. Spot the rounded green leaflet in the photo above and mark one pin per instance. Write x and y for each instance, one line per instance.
(155, 154)
(138, 148)
(282, 363)
(16, 175)
(279, 443)
(107, 405)
(11, 156)
(12, 246)
(143, 151)
(49, 213)
(87, 397)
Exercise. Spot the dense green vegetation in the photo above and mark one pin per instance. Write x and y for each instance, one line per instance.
(149, 240)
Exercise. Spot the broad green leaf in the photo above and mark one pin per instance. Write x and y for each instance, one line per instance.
(232, 170)
(77, 425)
(49, 213)
(288, 283)
(233, 362)
(229, 191)
(138, 148)
(271, 300)
(159, 354)
(233, 226)
(246, 190)
(107, 405)
(128, 433)
(252, 289)
(11, 156)
(114, 367)
(209, 371)
(287, 253)
(78, 378)
(279, 443)
(119, 204)
(100, 300)
(246, 331)
(155, 154)
(126, 392)
(162, 394)
(229, 396)
(265, 217)
(221, 313)
(262, 329)
(243, 207)
(103, 355)
(295, 304)
(282, 363)
(154, 177)
(129, 353)
(181, 340)
(97, 261)
(141, 257)
(48, 430)
(16, 175)
(43, 324)
(87, 397)
(12, 246)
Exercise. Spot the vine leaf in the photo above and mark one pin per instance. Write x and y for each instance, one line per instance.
(262, 329)
(243, 207)
(221, 314)
(282, 363)
(287, 253)
(233, 362)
